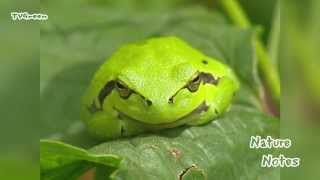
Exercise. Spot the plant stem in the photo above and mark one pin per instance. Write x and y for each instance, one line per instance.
(274, 39)
(268, 72)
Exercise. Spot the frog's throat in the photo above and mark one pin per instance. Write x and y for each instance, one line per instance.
(203, 107)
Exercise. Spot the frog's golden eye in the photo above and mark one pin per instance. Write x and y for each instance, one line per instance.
(194, 84)
(123, 90)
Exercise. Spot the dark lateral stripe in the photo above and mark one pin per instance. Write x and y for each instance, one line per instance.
(105, 91)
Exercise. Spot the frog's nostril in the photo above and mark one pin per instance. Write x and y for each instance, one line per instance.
(170, 101)
(149, 103)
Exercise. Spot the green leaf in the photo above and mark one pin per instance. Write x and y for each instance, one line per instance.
(63, 161)
(218, 150)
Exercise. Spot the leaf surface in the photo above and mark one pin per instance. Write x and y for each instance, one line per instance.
(62, 161)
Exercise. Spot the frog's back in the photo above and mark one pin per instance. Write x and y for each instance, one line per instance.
(154, 53)
(161, 63)
(157, 66)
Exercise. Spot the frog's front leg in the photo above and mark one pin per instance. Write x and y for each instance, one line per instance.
(110, 123)
(104, 123)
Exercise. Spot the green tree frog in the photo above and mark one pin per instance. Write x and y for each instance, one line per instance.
(156, 84)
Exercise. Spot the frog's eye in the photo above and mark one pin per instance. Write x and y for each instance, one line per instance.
(194, 84)
(123, 90)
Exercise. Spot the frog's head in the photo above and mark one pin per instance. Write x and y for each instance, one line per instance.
(162, 82)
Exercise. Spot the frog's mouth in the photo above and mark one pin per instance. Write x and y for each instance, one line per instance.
(203, 107)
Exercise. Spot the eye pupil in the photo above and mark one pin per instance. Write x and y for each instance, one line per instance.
(194, 84)
(124, 92)
(196, 79)
(120, 86)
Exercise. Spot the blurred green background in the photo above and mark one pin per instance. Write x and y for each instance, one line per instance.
(300, 108)
(296, 59)
(19, 93)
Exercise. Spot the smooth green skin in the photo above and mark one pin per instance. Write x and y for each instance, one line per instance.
(157, 69)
